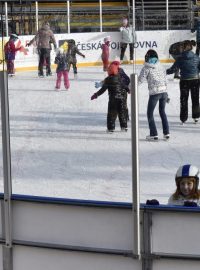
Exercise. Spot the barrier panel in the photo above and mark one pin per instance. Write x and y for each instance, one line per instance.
(49, 233)
(62, 224)
(40, 259)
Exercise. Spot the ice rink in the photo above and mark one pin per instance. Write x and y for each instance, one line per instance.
(59, 144)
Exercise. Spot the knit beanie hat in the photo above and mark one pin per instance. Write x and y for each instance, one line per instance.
(107, 39)
(150, 54)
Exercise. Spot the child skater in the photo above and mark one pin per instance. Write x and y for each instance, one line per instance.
(125, 80)
(117, 99)
(187, 182)
(105, 53)
(10, 52)
(62, 69)
(189, 64)
(155, 75)
(72, 52)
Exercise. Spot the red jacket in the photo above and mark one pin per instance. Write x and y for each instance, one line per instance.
(10, 50)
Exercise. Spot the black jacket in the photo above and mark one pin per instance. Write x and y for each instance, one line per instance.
(116, 88)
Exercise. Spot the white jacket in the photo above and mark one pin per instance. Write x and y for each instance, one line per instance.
(128, 35)
(155, 75)
(181, 200)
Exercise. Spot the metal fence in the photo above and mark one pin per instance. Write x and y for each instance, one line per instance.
(24, 17)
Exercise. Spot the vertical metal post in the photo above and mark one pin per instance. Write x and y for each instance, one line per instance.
(135, 166)
(167, 15)
(100, 15)
(6, 18)
(7, 249)
(68, 17)
(36, 16)
(147, 262)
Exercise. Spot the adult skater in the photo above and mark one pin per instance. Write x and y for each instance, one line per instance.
(128, 37)
(44, 38)
(189, 65)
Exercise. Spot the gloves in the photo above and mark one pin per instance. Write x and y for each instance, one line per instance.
(83, 56)
(129, 91)
(28, 44)
(94, 96)
(98, 84)
(152, 202)
(190, 204)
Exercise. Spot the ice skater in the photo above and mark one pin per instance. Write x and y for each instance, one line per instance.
(62, 69)
(117, 92)
(10, 52)
(155, 75)
(189, 64)
(128, 37)
(105, 53)
(187, 182)
(72, 52)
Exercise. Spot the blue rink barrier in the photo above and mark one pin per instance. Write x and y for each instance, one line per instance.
(49, 233)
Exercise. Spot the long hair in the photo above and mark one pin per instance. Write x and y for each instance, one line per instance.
(194, 195)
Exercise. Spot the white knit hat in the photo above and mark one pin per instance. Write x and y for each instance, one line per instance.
(107, 39)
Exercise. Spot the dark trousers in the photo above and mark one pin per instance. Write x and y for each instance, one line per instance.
(153, 100)
(187, 86)
(10, 66)
(116, 107)
(123, 49)
(44, 55)
(74, 67)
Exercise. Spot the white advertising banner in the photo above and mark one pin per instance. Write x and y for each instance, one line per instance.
(90, 45)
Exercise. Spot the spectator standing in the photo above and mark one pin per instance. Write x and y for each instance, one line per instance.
(128, 37)
(43, 39)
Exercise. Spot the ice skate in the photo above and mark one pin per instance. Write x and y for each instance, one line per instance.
(40, 75)
(151, 138)
(110, 131)
(196, 120)
(166, 136)
(124, 129)
(57, 89)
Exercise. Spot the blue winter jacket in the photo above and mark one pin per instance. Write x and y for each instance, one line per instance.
(189, 65)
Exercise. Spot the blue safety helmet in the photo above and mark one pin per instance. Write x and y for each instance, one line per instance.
(187, 171)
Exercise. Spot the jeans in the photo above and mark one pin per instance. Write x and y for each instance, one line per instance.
(153, 99)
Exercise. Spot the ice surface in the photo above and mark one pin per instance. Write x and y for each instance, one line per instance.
(60, 147)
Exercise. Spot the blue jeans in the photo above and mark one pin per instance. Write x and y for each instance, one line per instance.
(162, 98)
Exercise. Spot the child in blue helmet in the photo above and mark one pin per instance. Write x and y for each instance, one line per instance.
(187, 182)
